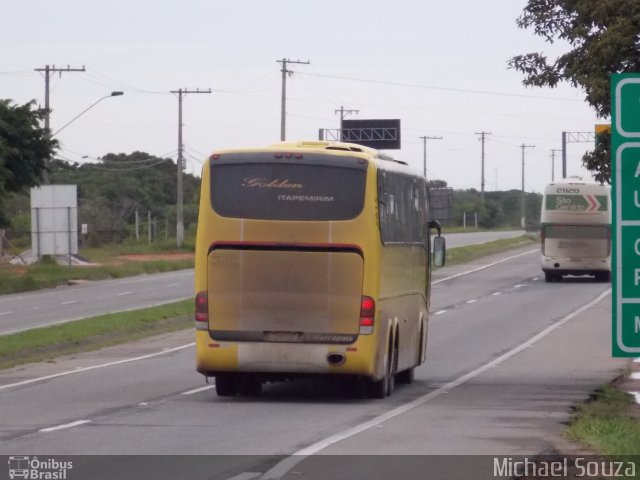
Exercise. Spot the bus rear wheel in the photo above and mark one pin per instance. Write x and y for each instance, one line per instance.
(386, 385)
(250, 385)
(226, 385)
(551, 277)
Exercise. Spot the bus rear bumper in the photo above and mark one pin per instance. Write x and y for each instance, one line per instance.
(280, 358)
(575, 266)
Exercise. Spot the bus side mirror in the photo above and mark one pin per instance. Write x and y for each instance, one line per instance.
(439, 245)
(439, 251)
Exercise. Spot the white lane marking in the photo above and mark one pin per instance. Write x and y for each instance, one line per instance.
(122, 294)
(635, 376)
(66, 425)
(440, 312)
(484, 267)
(473, 300)
(282, 468)
(5, 313)
(496, 294)
(518, 286)
(535, 279)
(173, 285)
(245, 476)
(197, 390)
(95, 367)
(70, 302)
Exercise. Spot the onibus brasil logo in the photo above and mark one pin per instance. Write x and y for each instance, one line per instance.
(38, 469)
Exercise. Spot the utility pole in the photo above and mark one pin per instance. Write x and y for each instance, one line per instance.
(344, 113)
(483, 136)
(48, 70)
(553, 162)
(523, 220)
(283, 109)
(424, 150)
(180, 201)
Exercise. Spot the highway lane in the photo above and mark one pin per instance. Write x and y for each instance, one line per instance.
(24, 311)
(486, 387)
(36, 309)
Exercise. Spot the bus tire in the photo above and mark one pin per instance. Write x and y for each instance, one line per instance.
(551, 277)
(226, 385)
(383, 387)
(250, 385)
(406, 376)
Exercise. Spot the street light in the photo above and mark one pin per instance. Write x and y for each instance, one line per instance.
(112, 94)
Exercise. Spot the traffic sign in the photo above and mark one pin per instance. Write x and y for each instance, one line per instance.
(625, 181)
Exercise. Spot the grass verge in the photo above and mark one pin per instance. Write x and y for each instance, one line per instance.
(40, 344)
(458, 255)
(46, 275)
(606, 423)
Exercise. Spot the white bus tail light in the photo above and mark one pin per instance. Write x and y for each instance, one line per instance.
(202, 311)
(367, 315)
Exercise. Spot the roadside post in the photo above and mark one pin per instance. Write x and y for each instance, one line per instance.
(625, 183)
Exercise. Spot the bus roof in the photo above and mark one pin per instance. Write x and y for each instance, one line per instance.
(381, 159)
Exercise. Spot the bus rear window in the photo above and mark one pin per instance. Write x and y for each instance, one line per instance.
(287, 191)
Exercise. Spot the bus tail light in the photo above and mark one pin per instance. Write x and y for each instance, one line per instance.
(367, 315)
(202, 311)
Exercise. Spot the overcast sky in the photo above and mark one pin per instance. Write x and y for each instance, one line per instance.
(440, 67)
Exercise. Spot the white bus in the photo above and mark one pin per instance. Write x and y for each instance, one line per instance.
(576, 230)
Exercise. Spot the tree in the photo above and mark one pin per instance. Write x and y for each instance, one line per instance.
(25, 148)
(110, 192)
(603, 37)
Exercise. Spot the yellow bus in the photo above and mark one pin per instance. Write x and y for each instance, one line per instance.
(312, 258)
(575, 224)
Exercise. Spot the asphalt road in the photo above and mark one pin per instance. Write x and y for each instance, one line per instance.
(36, 309)
(508, 356)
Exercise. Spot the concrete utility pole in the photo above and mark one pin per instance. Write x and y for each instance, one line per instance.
(553, 163)
(424, 149)
(48, 70)
(180, 201)
(343, 113)
(483, 136)
(523, 220)
(283, 110)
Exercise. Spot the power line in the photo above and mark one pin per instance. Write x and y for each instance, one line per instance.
(445, 89)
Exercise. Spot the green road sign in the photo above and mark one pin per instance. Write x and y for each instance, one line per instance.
(577, 203)
(625, 182)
